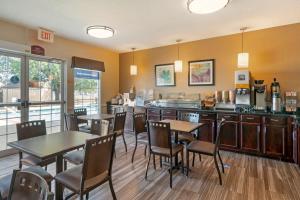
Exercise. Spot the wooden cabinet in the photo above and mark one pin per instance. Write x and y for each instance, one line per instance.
(250, 134)
(208, 130)
(295, 143)
(274, 136)
(229, 136)
(153, 114)
(169, 114)
(298, 142)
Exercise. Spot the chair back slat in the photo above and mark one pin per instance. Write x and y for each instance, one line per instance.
(71, 122)
(31, 129)
(80, 111)
(190, 117)
(28, 186)
(139, 123)
(159, 134)
(119, 121)
(98, 157)
(219, 132)
(100, 127)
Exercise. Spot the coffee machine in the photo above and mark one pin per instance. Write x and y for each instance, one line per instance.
(275, 94)
(242, 85)
(260, 95)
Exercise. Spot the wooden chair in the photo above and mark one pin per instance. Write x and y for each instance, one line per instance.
(71, 122)
(118, 128)
(6, 180)
(140, 132)
(188, 117)
(207, 148)
(28, 130)
(96, 168)
(28, 186)
(99, 127)
(79, 112)
(160, 143)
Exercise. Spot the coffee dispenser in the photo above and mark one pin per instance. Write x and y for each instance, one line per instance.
(260, 95)
(242, 85)
(275, 94)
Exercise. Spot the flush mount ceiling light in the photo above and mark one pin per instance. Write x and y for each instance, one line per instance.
(100, 31)
(206, 6)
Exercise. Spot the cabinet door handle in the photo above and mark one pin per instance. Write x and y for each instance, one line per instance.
(204, 115)
(227, 116)
(250, 118)
(274, 120)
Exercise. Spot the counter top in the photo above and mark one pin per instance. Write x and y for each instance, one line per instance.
(263, 113)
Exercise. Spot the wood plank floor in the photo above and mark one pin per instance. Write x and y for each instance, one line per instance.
(246, 177)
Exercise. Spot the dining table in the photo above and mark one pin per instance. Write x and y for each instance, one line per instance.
(178, 126)
(53, 145)
(97, 117)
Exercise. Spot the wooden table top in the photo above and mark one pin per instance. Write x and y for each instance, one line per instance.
(182, 126)
(47, 146)
(97, 117)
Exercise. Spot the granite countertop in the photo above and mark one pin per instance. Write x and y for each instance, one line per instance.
(279, 114)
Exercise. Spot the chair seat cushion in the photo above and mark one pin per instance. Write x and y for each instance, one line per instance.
(142, 138)
(6, 180)
(75, 157)
(202, 147)
(119, 133)
(71, 178)
(166, 151)
(32, 161)
(85, 128)
(4, 186)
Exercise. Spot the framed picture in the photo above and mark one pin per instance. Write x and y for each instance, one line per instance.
(201, 72)
(165, 75)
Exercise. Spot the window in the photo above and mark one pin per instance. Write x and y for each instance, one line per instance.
(87, 90)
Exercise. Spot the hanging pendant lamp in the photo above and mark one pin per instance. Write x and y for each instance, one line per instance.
(178, 63)
(133, 67)
(243, 57)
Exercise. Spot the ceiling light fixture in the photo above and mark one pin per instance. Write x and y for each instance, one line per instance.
(133, 67)
(178, 62)
(243, 57)
(206, 6)
(100, 31)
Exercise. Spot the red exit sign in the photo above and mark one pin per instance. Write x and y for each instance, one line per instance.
(45, 35)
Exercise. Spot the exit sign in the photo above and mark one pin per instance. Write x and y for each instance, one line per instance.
(45, 35)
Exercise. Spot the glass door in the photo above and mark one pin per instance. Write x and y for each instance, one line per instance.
(31, 88)
(11, 95)
(45, 92)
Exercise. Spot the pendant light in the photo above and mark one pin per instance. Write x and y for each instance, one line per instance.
(133, 67)
(178, 62)
(243, 57)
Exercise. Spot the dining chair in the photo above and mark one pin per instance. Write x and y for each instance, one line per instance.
(28, 186)
(98, 127)
(118, 127)
(6, 180)
(95, 170)
(160, 143)
(140, 132)
(71, 122)
(188, 117)
(80, 112)
(26, 130)
(207, 148)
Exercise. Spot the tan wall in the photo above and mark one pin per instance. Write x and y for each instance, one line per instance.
(64, 49)
(273, 52)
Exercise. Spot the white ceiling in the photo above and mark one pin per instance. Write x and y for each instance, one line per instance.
(146, 23)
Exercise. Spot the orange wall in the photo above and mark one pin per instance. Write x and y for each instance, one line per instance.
(274, 52)
(64, 49)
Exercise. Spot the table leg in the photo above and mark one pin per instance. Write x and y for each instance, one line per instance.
(58, 186)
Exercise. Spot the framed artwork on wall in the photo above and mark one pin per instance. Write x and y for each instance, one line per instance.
(165, 75)
(201, 72)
